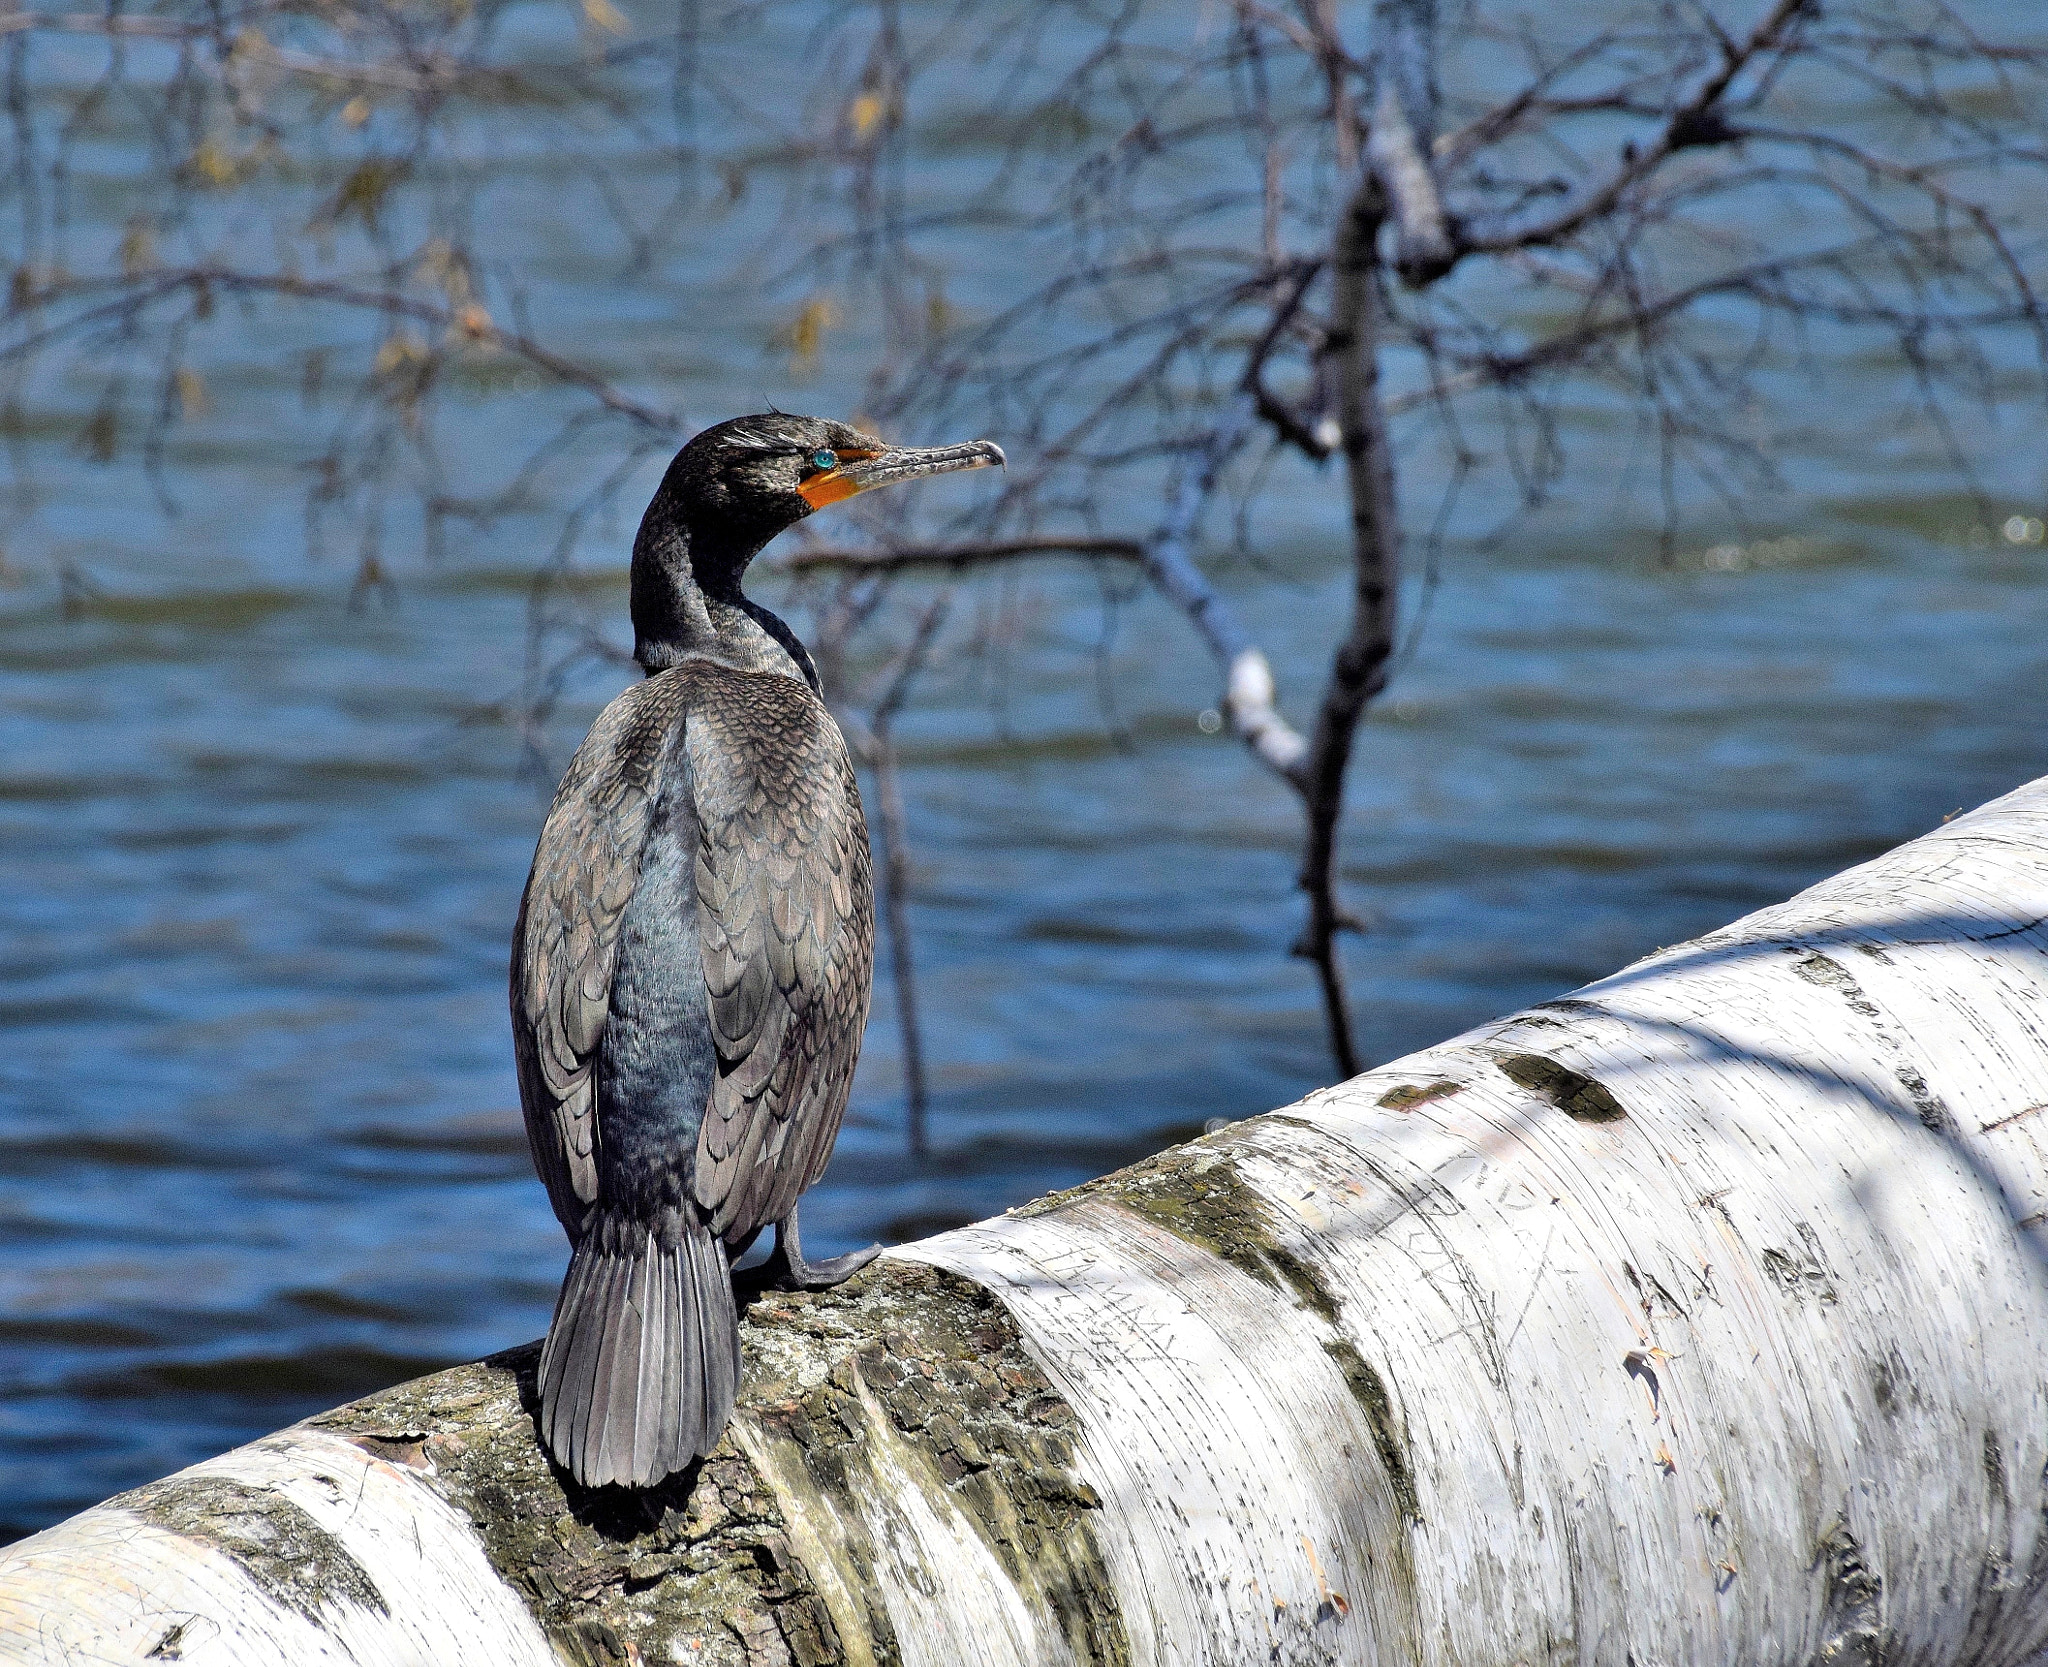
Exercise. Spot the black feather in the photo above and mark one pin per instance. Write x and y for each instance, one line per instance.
(641, 1365)
(692, 963)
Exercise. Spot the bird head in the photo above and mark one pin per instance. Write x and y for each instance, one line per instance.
(732, 489)
(739, 483)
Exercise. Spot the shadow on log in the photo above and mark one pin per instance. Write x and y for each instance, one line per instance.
(1697, 1317)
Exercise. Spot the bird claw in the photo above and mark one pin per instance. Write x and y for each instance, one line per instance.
(801, 1275)
(788, 1269)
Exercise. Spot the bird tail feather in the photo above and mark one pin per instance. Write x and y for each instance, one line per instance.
(642, 1359)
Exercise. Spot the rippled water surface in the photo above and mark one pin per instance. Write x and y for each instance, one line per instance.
(259, 1145)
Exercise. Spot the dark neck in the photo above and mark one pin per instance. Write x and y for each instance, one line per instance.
(687, 604)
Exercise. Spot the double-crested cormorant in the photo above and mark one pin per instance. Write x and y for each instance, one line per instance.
(690, 970)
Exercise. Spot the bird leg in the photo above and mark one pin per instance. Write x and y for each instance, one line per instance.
(787, 1268)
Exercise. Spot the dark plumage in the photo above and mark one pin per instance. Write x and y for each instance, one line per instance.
(691, 966)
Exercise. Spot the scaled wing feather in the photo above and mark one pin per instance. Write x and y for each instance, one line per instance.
(566, 943)
(786, 923)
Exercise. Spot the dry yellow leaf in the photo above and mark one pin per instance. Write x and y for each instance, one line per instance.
(401, 349)
(100, 439)
(865, 114)
(191, 388)
(138, 248)
(804, 335)
(440, 263)
(213, 164)
(604, 15)
(362, 193)
(356, 111)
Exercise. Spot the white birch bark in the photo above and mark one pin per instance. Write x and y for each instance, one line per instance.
(1698, 1318)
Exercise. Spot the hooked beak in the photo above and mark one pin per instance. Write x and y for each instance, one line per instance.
(885, 468)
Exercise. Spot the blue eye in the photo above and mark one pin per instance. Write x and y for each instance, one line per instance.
(824, 460)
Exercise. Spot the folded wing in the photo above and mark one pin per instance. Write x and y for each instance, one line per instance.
(565, 946)
(786, 924)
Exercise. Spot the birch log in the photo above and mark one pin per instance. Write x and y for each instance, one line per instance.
(1699, 1317)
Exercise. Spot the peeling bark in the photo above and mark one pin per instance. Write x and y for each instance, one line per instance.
(1697, 1317)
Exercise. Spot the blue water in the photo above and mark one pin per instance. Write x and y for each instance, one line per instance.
(259, 1144)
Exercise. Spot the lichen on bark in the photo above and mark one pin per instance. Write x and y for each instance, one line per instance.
(688, 1571)
(1196, 1193)
(270, 1538)
(914, 1372)
(1574, 1093)
(761, 1555)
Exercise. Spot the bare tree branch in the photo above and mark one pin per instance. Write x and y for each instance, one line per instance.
(1185, 240)
(1696, 121)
